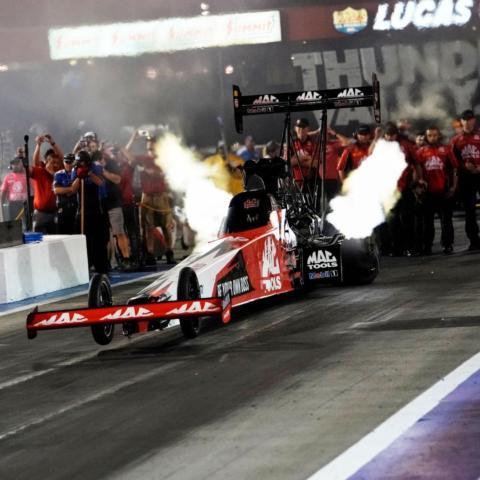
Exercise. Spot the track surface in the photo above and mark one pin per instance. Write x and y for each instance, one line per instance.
(277, 394)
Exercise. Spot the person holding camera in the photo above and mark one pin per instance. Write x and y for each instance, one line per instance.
(44, 201)
(89, 182)
(67, 204)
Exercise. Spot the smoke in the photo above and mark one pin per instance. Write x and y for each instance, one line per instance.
(369, 192)
(432, 105)
(205, 203)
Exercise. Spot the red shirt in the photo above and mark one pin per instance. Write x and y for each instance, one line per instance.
(332, 153)
(44, 199)
(437, 162)
(307, 147)
(15, 186)
(466, 147)
(352, 157)
(152, 178)
(409, 149)
(126, 183)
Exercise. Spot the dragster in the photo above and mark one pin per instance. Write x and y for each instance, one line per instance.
(273, 240)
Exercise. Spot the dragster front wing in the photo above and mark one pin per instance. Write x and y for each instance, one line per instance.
(83, 317)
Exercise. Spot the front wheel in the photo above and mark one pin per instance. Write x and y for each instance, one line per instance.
(100, 295)
(188, 289)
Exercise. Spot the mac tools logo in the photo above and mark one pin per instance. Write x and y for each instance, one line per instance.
(62, 319)
(265, 100)
(321, 259)
(309, 96)
(470, 152)
(271, 280)
(350, 92)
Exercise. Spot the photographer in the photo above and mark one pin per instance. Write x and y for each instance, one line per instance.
(67, 204)
(44, 201)
(91, 215)
(113, 203)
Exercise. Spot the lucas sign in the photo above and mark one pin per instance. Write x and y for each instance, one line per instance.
(423, 14)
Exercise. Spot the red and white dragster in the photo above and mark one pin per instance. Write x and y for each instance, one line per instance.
(271, 242)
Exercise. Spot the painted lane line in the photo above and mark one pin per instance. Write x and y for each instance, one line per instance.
(367, 448)
(114, 389)
(91, 398)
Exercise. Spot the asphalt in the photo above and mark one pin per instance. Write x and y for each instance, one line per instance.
(285, 388)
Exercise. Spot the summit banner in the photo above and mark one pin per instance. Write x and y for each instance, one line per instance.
(164, 35)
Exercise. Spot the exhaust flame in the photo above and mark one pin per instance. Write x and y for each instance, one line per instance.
(369, 192)
(205, 204)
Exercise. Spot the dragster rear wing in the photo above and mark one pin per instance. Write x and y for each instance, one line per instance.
(83, 317)
(267, 103)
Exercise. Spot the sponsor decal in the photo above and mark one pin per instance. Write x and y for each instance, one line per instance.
(308, 96)
(128, 312)
(434, 163)
(350, 92)
(321, 259)
(236, 281)
(470, 152)
(271, 280)
(265, 100)
(62, 319)
(323, 275)
(422, 14)
(264, 109)
(236, 286)
(251, 203)
(195, 307)
(350, 20)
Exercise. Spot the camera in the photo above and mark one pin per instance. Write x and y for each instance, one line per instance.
(83, 160)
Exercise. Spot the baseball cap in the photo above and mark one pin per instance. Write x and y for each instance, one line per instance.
(16, 160)
(302, 123)
(69, 158)
(91, 135)
(467, 114)
(364, 129)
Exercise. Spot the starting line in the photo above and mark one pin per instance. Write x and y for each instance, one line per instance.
(360, 454)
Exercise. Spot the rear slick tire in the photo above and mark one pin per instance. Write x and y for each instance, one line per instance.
(100, 295)
(188, 289)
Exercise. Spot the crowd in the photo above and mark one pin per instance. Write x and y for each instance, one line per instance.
(121, 200)
(92, 190)
(440, 174)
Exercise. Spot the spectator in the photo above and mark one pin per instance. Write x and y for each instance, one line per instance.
(127, 165)
(304, 151)
(248, 151)
(14, 189)
(91, 217)
(67, 204)
(466, 148)
(225, 170)
(112, 204)
(271, 149)
(336, 142)
(438, 170)
(420, 140)
(44, 201)
(156, 217)
(355, 153)
(401, 238)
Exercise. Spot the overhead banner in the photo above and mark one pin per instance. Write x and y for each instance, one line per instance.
(168, 35)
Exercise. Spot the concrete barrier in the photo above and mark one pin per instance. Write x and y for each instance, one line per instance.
(60, 261)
